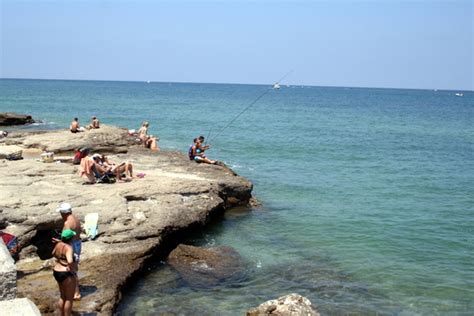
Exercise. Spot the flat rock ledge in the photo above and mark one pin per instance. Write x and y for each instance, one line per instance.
(138, 219)
(288, 305)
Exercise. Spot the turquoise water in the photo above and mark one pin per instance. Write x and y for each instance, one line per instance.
(368, 194)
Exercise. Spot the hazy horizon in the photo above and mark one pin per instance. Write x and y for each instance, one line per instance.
(283, 84)
(384, 44)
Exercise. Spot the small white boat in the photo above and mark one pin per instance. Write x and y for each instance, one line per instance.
(276, 86)
(459, 94)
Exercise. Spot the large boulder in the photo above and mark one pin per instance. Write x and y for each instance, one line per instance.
(206, 266)
(9, 118)
(288, 305)
(7, 274)
(19, 307)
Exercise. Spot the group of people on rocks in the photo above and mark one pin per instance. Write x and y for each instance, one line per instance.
(76, 128)
(99, 168)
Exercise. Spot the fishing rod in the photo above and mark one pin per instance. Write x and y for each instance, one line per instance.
(248, 107)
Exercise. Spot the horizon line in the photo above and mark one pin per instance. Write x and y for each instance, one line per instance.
(237, 83)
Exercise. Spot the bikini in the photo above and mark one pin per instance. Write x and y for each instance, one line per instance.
(61, 276)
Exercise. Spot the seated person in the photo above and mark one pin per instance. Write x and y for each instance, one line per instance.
(198, 153)
(202, 149)
(75, 128)
(94, 123)
(79, 154)
(148, 140)
(125, 167)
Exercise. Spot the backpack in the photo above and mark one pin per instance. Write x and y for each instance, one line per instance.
(77, 158)
(12, 243)
(190, 152)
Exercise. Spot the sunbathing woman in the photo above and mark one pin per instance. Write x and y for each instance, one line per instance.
(148, 140)
(64, 272)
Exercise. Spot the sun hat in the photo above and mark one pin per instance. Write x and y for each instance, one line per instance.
(64, 208)
(67, 234)
(94, 156)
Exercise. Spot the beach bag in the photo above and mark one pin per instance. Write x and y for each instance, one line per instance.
(190, 153)
(77, 158)
(12, 243)
(47, 157)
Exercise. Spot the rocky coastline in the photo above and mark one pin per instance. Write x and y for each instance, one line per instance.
(139, 220)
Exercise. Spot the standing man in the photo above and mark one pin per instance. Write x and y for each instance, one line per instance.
(72, 223)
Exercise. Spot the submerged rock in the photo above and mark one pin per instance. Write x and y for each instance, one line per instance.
(206, 266)
(288, 305)
(9, 118)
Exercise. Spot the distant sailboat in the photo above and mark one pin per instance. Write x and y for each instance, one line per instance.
(276, 86)
(459, 94)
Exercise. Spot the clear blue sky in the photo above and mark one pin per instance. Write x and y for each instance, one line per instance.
(404, 44)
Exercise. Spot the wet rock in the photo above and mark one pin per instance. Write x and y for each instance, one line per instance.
(289, 305)
(9, 118)
(206, 266)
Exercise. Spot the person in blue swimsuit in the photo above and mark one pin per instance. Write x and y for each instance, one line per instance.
(197, 153)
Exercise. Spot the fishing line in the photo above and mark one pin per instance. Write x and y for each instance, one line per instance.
(248, 107)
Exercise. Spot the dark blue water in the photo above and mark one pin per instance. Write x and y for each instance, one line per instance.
(368, 193)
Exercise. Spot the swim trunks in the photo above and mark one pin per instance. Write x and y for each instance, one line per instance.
(76, 248)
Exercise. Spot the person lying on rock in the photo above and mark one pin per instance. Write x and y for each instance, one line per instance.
(149, 141)
(75, 128)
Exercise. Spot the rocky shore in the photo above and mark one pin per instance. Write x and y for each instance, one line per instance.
(139, 220)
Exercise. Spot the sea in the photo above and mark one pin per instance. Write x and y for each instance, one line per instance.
(367, 194)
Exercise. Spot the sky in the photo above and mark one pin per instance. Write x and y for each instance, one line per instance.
(384, 43)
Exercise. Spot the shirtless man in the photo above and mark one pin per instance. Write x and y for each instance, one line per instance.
(75, 128)
(72, 223)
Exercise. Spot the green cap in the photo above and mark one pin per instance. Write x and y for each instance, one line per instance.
(67, 234)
